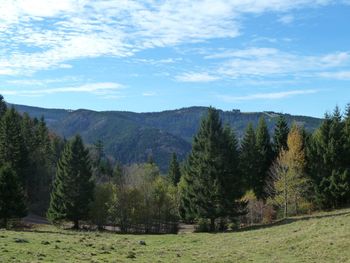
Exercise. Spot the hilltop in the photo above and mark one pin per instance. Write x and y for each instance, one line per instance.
(131, 137)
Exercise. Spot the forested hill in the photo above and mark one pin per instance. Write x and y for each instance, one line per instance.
(132, 137)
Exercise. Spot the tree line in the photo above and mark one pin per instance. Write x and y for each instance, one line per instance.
(222, 183)
(293, 172)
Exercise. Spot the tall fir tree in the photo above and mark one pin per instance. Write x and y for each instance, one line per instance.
(211, 182)
(3, 106)
(12, 145)
(264, 157)
(347, 136)
(73, 188)
(327, 162)
(12, 198)
(280, 135)
(174, 173)
(248, 162)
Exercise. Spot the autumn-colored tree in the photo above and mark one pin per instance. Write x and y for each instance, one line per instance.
(288, 182)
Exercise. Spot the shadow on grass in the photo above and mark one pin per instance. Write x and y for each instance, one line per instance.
(290, 220)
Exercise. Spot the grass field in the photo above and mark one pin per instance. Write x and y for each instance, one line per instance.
(323, 237)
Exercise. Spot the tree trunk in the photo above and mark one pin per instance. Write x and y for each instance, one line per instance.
(285, 198)
(76, 224)
(212, 224)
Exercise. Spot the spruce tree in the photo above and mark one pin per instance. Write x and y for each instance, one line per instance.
(211, 182)
(12, 199)
(3, 106)
(174, 173)
(264, 157)
(327, 162)
(12, 145)
(280, 135)
(248, 157)
(73, 188)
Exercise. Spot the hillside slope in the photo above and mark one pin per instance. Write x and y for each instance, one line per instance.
(132, 137)
(323, 237)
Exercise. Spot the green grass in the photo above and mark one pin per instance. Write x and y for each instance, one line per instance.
(323, 237)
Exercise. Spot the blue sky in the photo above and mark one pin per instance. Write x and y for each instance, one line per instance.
(289, 56)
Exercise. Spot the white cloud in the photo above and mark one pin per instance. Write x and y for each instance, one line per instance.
(286, 19)
(196, 77)
(339, 75)
(149, 94)
(270, 62)
(52, 32)
(103, 88)
(267, 96)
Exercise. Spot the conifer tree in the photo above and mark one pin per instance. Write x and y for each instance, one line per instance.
(280, 135)
(327, 162)
(12, 146)
(12, 199)
(211, 183)
(174, 173)
(264, 157)
(73, 188)
(3, 106)
(248, 157)
(289, 183)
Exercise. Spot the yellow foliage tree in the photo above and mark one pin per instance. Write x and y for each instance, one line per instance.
(288, 183)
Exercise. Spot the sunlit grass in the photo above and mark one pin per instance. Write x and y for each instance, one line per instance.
(323, 237)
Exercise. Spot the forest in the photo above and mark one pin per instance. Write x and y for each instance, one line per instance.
(225, 183)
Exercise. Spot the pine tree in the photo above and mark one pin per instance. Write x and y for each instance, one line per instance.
(264, 157)
(12, 199)
(3, 106)
(248, 157)
(211, 183)
(280, 135)
(327, 162)
(73, 188)
(347, 137)
(174, 173)
(12, 145)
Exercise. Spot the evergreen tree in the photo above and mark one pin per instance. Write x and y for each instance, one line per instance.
(248, 157)
(280, 135)
(327, 162)
(73, 188)
(3, 106)
(12, 145)
(211, 182)
(174, 173)
(12, 199)
(264, 157)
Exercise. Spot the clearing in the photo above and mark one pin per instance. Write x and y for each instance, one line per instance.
(322, 237)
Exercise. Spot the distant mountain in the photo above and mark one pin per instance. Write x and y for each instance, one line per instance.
(131, 137)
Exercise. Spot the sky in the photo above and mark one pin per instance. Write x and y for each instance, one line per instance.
(290, 56)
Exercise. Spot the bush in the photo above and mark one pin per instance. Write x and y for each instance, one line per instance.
(203, 225)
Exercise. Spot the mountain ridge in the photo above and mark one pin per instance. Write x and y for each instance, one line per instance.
(132, 137)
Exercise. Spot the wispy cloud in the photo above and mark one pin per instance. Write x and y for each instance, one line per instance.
(149, 94)
(196, 77)
(267, 96)
(104, 88)
(52, 33)
(257, 62)
(286, 19)
(339, 75)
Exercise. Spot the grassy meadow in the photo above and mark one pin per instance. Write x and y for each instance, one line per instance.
(323, 237)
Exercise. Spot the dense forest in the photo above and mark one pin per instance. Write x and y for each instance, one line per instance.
(132, 137)
(224, 183)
